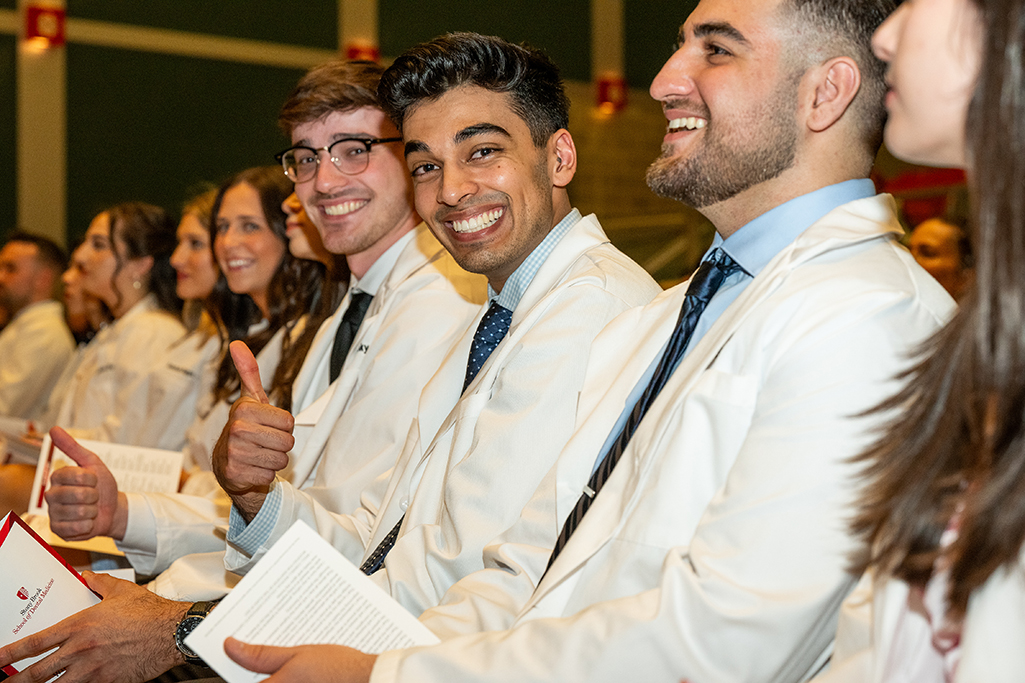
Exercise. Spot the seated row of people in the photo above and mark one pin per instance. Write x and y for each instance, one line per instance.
(578, 477)
(162, 308)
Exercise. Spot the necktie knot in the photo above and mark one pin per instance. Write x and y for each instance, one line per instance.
(710, 275)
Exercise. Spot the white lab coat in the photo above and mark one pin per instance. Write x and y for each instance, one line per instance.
(992, 637)
(424, 304)
(199, 515)
(716, 550)
(117, 394)
(185, 381)
(35, 347)
(467, 471)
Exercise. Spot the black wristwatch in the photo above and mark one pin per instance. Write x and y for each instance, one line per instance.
(193, 618)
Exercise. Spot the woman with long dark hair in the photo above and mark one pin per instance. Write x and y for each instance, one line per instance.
(125, 263)
(943, 511)
(265, 296)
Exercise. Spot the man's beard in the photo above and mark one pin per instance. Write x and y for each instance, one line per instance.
(724, 166)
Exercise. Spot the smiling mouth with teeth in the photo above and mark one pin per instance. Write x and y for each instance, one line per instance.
(476, 223)
(688, 123)
(239, 263)
(345, 207)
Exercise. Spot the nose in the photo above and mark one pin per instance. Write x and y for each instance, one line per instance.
(674, 79)
(178, 256)
(884, 40)
(291, 204)
(328, 176)
(456, 184)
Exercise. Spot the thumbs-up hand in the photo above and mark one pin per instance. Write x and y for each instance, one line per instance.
(255, 442)
(84, 501)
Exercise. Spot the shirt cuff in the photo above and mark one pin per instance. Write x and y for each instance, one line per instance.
(141, 527)
(250, 538)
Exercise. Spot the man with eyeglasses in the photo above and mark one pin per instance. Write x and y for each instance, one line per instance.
(355, 396)
(490, 157)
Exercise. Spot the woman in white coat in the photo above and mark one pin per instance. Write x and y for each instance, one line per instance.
(944, 506)
(265, 296)
(124, 262)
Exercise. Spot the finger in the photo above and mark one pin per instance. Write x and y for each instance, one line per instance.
(75, 477)
(264, 659)
(244, 435)
(104, 584)
(248, 371)
(248, 410)
(74, 450)
(73, 494)
(31, 646)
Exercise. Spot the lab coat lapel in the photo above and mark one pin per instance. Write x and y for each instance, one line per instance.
(849, 224)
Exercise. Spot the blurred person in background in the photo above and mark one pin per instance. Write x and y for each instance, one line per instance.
(943, 249)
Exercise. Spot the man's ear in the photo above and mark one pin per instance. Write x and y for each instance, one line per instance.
(562, 157)
(833, 85)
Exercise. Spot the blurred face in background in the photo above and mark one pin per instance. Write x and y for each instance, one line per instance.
(933, 49)
(19, 272)
(247, 250)
(303, 238)
(935, 245)
(193, 260)
(96, 260)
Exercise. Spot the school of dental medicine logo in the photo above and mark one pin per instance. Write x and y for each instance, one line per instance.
(23, 593)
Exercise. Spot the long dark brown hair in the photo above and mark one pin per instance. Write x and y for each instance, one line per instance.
(146, 230)
(298, 289)
(959, 437)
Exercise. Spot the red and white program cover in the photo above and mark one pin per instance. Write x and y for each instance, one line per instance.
(37, 587)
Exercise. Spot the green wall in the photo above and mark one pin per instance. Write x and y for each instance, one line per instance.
(310, 23)
(563, 30)
(650, 29)
(151, 127)
(8, 137)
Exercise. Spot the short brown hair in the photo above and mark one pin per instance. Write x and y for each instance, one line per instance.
(338, 85)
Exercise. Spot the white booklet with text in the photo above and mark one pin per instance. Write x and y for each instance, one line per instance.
(37, 587)
(135, 469)
(304, 591)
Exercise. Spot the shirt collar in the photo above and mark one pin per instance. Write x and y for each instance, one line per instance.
(382, 267)
(521, 278)
(758, 242)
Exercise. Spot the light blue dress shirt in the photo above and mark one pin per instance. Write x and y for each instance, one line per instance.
(752, 247)
(249, 538)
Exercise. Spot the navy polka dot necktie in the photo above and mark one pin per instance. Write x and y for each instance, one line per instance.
(491, 330)
(703, 286)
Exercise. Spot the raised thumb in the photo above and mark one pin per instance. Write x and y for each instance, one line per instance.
(248, 371)
(82, 456)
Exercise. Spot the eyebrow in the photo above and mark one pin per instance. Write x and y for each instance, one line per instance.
(305, 142)
(460, 137)
(714, 28)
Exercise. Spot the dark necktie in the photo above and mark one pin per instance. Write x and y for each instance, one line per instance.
(359, 302)
(490, 331)
(702, 288)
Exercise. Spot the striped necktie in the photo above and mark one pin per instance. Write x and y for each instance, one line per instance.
(703, 286)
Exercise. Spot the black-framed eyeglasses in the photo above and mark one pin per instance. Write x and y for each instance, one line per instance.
(349, 155)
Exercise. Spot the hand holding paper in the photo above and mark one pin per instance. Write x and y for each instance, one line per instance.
(255, 443)
(95, 646)
(84, 501)
(303, 664)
